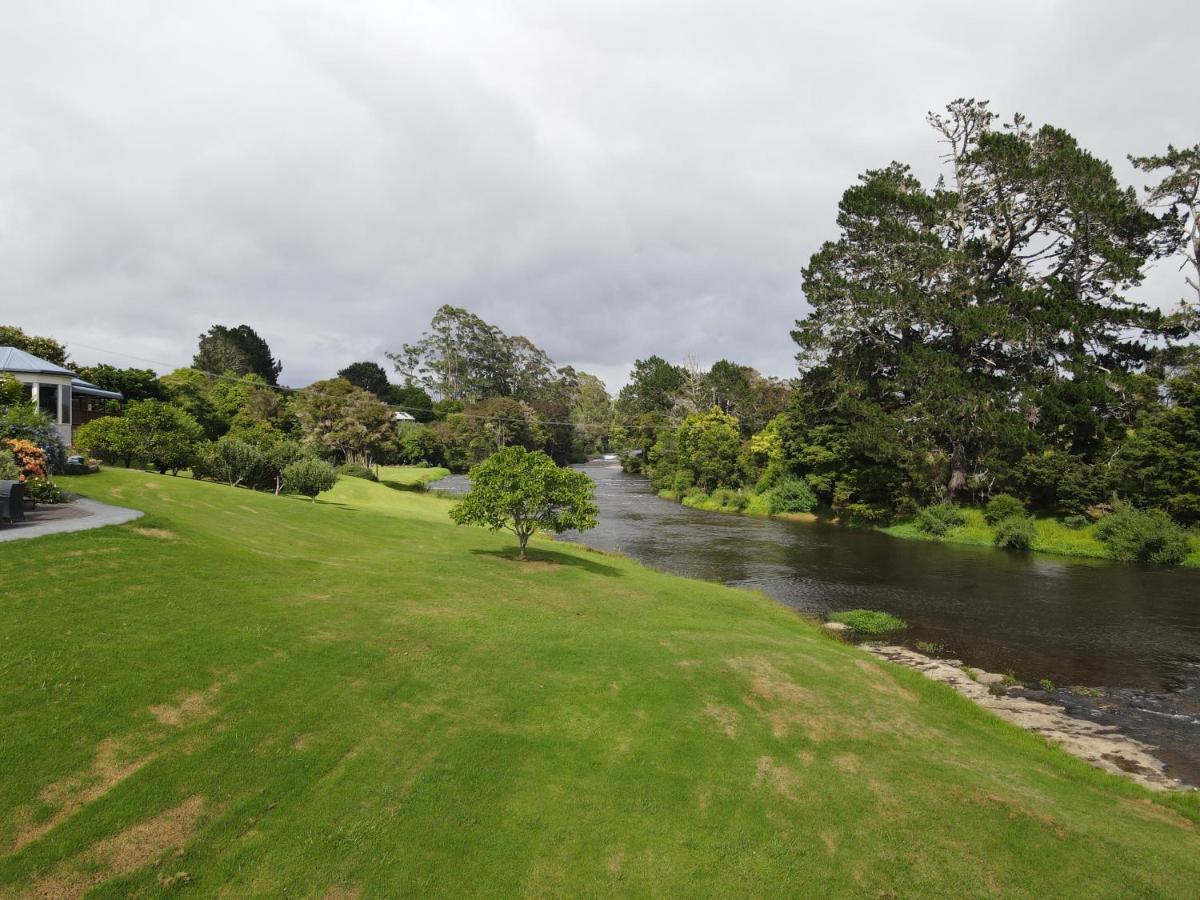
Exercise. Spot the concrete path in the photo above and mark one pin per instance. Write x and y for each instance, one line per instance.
(80, 515)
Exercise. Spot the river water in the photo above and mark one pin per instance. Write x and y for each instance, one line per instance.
(1129, 635)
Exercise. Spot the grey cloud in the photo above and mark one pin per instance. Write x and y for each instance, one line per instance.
(611, 179)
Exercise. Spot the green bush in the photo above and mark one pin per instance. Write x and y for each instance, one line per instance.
(357, 470)
(232, 461)
(1001, 507)
(695, 494)
(1143, 535)
(869, 621)
(1015, 533)
(43, 490)
(725, 498)
(9, 470)
(940, 518)
(1076, 522)
(792, 495)
(680, 483)
(308, 476)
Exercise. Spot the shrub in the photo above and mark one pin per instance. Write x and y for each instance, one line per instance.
(1015, 533)
(1001, 507)
(232, 461)
(357, 470)
(869, 621)
(107, 438)
(43, 490)
(1076, 522)
(695, 494)
(24, 421)
(308, 476)
(940, 518)
(725, 498)
(681, 483)
(31, 459)
(9, 470)
(792, 495)
(1146, 535)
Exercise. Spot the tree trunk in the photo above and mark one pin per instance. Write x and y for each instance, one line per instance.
(522, 539)
(958, 470)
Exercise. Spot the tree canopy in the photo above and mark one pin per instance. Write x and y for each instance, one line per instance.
(239, 350)
(523, 491)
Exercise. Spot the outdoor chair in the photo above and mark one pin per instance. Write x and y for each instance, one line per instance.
(12, 506)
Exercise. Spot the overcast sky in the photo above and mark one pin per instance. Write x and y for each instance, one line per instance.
(611, 179)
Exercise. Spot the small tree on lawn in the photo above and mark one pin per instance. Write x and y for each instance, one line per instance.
(107, 438)
(234, 461)
(309, 477)
(163, 435)
(522, 491)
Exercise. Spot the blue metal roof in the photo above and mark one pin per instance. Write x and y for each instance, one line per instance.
(14, 360)
(79, 386)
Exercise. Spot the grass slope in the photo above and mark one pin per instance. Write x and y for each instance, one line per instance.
(264, 696)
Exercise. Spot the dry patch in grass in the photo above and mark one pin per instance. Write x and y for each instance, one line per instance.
(885, 682)
(160, 534)
(778, 699)
(343, 892)
(302, 741)
(830, 840)
(783, 780)
(191, 708)
(725, 717)
(613, 865)
(111, 765)
(126, 852)
(847, 762)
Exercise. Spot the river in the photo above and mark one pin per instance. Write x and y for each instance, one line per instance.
(1129, 635)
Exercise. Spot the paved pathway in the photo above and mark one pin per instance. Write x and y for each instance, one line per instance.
(80, 515)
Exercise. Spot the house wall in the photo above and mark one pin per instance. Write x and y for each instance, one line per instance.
(52, 394)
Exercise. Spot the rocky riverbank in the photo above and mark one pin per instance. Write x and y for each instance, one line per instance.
(1103, 746)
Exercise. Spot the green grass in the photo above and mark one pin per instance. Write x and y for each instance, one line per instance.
(252, 695)
(869, 621)
(1052, 536)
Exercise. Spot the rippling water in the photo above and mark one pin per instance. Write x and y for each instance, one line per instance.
(1132, 634)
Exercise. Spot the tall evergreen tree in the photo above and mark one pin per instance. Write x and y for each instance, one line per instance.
(239, 350)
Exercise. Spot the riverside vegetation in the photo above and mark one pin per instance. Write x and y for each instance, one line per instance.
(256, 694)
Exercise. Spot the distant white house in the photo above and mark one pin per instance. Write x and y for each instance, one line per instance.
(59, 393)
(398, 415)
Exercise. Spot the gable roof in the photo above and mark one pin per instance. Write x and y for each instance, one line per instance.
(14, 360)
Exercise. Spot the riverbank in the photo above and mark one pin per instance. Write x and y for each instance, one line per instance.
(1051, 535)
(259, 695)
(1102, 746)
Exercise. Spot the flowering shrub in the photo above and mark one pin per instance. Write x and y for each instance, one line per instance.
(23, 421)
(31, 459)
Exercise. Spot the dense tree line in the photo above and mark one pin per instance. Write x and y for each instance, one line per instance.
(976, 338)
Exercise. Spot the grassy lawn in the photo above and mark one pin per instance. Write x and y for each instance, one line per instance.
(265, 696)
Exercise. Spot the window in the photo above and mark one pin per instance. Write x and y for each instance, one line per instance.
(48, 400)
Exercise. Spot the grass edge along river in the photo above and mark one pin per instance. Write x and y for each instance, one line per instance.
(266, 696)
(1050, 534)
